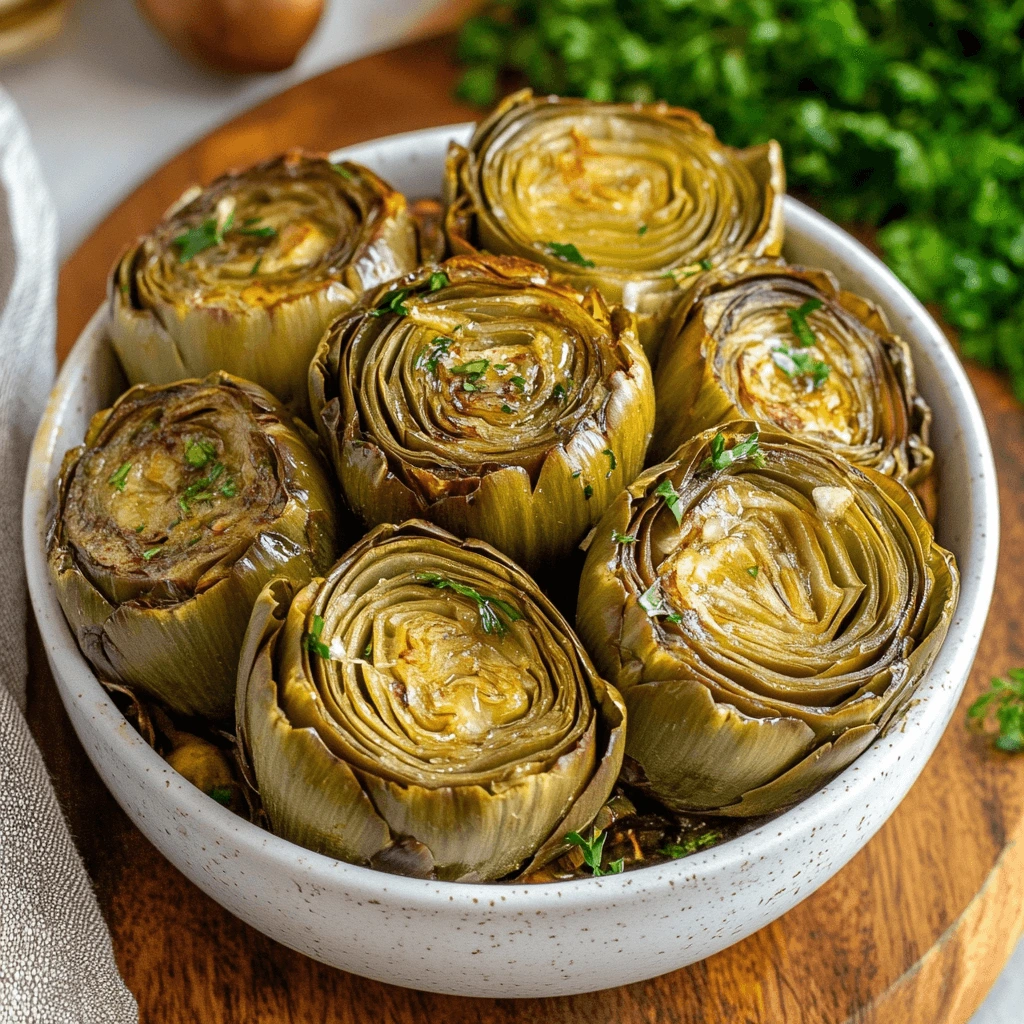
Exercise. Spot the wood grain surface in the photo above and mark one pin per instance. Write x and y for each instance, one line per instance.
(913, 931)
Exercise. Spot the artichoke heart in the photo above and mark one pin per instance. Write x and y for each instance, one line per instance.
(633, 199)
(181, 504)
(424, 709)
(481, 396)
(245, 275)
(787, 347)
(766, 609)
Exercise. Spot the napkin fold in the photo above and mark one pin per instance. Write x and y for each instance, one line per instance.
(56, 962)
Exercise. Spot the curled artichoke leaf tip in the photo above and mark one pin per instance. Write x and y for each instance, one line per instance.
(634, 199)
(182, 503)
(767, 620)
(246, 274)
(786, 346)
(388, 724)
(483, 396)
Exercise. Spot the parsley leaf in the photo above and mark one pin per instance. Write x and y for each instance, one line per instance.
(593, 850)
(312, 641)
(1003, 701)
(151, 553)
(798, 319)
(393, 302)
(623, 538)
(569, 253)
(672, 499)
(611, 459)
(429, 357)
(198, 453)
(488, 608)
(752, 571)
(721, 457)
(438, 280)
(795, 363)
(342, 171)
(119, 478)
(205, 236)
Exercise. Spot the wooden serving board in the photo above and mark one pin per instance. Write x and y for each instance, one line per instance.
(913, 931)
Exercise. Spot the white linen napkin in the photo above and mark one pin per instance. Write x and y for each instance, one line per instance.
(56, 961)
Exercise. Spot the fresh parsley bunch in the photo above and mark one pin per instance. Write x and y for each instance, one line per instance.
(904, 115)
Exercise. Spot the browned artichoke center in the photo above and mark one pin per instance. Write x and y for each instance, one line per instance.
(169, 491)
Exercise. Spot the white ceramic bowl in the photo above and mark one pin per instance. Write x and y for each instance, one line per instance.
(555, 939)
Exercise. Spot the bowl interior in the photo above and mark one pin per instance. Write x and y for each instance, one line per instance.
(968, 525)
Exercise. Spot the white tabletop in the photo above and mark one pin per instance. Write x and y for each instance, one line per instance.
(109, 102)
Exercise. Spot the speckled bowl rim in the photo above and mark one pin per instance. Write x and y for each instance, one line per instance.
(935, 700)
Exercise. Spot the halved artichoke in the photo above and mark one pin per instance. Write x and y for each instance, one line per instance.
(246, 274)
(764, 620)
(787, 347)
(481, 396)
(425, 710)
(629, 198)
(182, 503)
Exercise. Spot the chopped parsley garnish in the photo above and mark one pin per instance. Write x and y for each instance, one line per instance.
(488, 608)
(704, 264)
(342, 171)
(433, 354)
(312, 641)
(798, 318)
(119, 478)
(201, 489)
(593, 850)
(720, 457)
(611, 458)
(438, 280)
(653, 603)
(501, 366)
(194, 540)
(642, 230)
(691, 844)
(472, 371)
(672, 499)
(569, 253)
(577, 474)
(519, 382)
(264, 232)
(752, 571)
(198, 453)
(506, 408)
(623, 538)
(140, 527)
(198, 239)
(229, 488)
(393, 302)
(152, 553)
(368, 649)
(222, 794)
(256, 267)
(795, 363)
(588, 492)
(1004, 700)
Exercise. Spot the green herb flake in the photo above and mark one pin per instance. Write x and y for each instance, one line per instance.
(795, 363)
(568, 253)
(493, 612)
(393, 302)
(222, 794)
(342, 172)
(312, 641)
(798, 320)
(368, 649)
(577, 474)
(501, 366)
(558, 392)
(1004, 702)
(690, 844)
(429, 356)
(199, 453)
(704, 264)
(611, 458)
(720, 457)
(752, 571)
(623, 538)
(256, 267)
(198, 239)
(593, 850)
(519, 382)
(151, 553)
(473, 369)
(588, 492)
(642, 230)
(140, 527)
(119, 478)
(229, 488)
(506, 408)
(672, 500)
(264, 232)
(438, 280)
